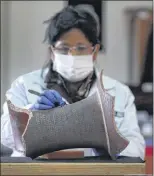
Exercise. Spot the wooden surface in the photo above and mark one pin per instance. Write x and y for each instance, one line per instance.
(71, 168)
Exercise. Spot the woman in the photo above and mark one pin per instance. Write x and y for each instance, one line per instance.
(72, 35)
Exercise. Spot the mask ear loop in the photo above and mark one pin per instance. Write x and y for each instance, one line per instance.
(94, 49)
(52, 53)
(95, 68)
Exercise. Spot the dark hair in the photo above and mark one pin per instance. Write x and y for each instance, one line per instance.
(82, 17)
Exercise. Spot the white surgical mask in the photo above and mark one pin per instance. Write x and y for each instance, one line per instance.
(73, 68)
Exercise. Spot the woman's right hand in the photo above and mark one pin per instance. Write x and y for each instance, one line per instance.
(48, 99)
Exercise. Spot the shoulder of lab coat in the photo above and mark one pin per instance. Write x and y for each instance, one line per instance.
(33, 80)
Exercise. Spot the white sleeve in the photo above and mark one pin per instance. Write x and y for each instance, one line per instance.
(16, 94)
(131, 131)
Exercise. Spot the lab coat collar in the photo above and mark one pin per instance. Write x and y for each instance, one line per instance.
(45, 71)
(108, 83)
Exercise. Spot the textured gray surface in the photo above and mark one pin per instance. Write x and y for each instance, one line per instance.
(79, 125)
(116, 142)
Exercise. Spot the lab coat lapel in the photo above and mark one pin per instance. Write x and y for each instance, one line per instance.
(108, 83)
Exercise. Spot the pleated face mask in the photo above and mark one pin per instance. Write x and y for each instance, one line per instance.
(73, 68)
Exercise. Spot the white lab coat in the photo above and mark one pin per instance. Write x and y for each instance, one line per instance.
(126, 119)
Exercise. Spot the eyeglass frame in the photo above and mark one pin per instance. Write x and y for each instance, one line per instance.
(75, 47)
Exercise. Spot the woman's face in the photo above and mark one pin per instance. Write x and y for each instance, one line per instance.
(74, 42)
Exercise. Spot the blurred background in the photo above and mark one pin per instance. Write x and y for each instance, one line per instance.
(126, 55)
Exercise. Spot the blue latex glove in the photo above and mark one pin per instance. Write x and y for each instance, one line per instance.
(48, 99)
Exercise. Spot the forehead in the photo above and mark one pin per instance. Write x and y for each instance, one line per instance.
(73, 37)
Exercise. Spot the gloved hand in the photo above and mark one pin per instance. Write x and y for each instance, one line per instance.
(48, 99)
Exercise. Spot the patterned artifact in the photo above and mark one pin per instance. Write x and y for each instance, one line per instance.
(88, 123)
